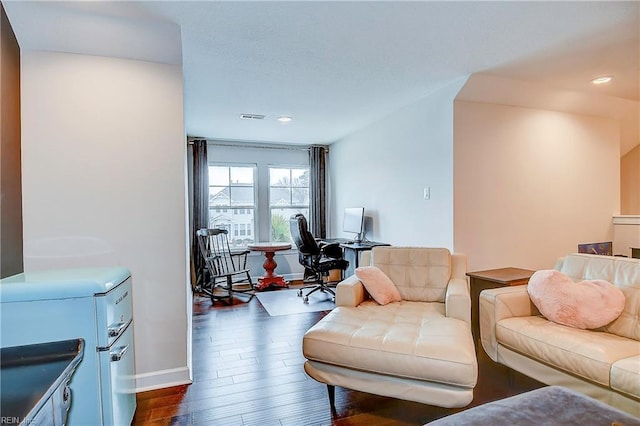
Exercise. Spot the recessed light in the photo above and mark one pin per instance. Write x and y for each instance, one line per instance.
(602, 80)
(284, 119)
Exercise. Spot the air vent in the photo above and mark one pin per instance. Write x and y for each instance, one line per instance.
(252, 116)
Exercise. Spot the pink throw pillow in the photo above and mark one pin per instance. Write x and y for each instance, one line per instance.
(378, 285)
(586, 304)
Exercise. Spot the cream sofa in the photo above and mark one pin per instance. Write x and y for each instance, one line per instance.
(602, 363)
(418, 349)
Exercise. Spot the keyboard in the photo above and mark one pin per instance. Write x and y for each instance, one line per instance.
(347, 241)
(337, 240)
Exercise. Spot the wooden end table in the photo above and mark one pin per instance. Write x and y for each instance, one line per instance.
(269, 279)
(492, 278)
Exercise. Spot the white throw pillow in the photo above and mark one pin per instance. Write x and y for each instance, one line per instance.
(378, 285)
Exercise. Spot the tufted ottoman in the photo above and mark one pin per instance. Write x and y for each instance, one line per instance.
(416, 350)
(550, 405)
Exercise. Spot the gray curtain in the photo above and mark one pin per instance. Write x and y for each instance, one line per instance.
(200, 206)
(318, 191)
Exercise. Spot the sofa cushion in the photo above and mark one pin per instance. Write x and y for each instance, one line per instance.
(404, 339)
(625, 376)
(378, 285)
(586, 304)
(585, 353)
(627, 278)
(420, 274)
(622, 272)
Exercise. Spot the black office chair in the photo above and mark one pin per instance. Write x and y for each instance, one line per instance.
(319, 258)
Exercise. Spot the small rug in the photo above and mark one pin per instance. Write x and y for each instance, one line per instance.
(545, 406)
(285, 302)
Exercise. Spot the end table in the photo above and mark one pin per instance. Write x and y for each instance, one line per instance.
(492, 278)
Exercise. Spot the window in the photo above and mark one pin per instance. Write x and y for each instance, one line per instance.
(288, 195)
(278, 182)
(232, 201)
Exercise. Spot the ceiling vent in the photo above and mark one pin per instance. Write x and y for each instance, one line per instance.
(252, 116)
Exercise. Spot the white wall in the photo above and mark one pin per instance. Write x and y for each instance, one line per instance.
(530, 184)
(103, 161)
(630, 181)
(385, 167)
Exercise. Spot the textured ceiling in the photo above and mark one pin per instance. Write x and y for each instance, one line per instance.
(337, 66)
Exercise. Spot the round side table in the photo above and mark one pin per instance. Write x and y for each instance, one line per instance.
(269, 279)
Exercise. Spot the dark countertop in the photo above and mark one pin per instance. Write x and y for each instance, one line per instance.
(31, 373)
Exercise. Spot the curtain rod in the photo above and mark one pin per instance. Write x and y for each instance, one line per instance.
(231, 144)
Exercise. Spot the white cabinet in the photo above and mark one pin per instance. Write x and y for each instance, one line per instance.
(626, 234)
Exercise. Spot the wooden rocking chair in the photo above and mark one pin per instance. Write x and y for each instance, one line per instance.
(227, 269)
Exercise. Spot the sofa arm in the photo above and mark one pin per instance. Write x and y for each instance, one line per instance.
(365, 258)
(350, 292)
(458, 300)
(497, 304)
(458, 265)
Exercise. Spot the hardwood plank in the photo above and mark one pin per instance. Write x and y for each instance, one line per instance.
(248, 370)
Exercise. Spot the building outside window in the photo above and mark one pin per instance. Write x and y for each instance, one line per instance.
(288, 195)
(273, 182)
(232, 201)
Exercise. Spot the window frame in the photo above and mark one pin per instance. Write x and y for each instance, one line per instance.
(233, 211)
(227, 153)
(299, 207)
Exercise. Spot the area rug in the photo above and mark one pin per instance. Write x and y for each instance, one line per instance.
(545, 406)
(286, 302)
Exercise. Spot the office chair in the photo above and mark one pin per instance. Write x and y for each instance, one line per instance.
(318, 258)
(227, 270)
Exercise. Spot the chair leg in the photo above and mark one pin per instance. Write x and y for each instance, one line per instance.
(332, 396)
(320, 286)
(229, 286)
(314, 290)
(327, 289)
(249, 292)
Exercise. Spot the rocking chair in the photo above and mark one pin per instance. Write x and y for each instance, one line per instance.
(227, 270)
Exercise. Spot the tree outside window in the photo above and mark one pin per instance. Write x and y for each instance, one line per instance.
(288, 195)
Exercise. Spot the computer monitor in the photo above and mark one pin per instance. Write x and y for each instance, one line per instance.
(604, 248)
(354, 222)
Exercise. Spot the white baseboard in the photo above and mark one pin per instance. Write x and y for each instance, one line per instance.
(162, 379)
(287, 277)
(293, 277)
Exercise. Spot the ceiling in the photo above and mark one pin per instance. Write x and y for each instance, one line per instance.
(337, 66)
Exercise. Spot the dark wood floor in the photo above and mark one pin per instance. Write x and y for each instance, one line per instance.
(248, 371)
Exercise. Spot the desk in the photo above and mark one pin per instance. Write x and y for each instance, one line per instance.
(269, 279)
(352, 253)
(492, 278)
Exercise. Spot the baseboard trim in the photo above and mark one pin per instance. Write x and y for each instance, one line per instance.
(293, 277)
(287, 277)
(162, 379)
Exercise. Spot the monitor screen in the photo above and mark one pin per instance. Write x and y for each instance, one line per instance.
(353, 220)
(604, 248)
